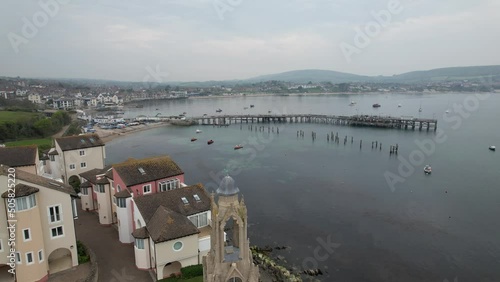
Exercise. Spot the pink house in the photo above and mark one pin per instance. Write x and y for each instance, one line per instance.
(136, 178)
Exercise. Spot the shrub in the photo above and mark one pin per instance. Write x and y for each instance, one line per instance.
(83, 257)
(192, 271)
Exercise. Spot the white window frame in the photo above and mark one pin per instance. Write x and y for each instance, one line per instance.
(137, 244)
(86, 189)
(29, 203)
(162, 186)
(119, 202)
(41, 257)
(24, 235)
(144, 189)
(19, 260)
(82, 151)
(60, 214)
(99, 186)
(195, 219)
(83, 165)
(32, 258)
(72, 167)
(57, 236)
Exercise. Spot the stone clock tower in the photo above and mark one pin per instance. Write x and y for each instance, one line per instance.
(230, 258)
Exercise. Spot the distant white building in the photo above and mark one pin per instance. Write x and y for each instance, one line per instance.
(35, 98)
(64, 103)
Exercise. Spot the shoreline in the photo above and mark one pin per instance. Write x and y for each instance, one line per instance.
(108, 135)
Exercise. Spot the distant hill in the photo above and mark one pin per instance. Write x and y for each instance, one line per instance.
(304, 76)
(442, 74)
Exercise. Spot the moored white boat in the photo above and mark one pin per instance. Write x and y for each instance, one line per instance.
(427, 169)
(493, 148)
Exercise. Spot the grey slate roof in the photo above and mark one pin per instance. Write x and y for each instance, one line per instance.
(166, 214)
(166, 225)
(85, 184)
(91, 175)
(21, 190)
(79, 142)
(42, 181)
(123, 194)
(148, 204)
(154, 168)
(140, 233)
(18, 156)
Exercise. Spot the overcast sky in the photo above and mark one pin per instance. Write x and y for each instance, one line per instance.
(234, 39)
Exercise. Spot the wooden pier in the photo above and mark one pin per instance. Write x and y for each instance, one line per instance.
(356, 120)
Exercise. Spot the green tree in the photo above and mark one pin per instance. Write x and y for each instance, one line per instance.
(44, 127)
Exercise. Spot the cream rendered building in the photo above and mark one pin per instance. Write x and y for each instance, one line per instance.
(73, 155)
(172, 229)
(22, 158)
(45, 239)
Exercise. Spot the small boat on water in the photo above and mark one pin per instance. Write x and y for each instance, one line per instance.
(237, 147)
(399, 105)
(251, 106)
(447, 111)
(198, 131)
(184, 113)
(193, 139)
(492, 148)
(218, 110)
(377, 105)
(427, 169)
(210, 141)
(352, 103)
(268, 112)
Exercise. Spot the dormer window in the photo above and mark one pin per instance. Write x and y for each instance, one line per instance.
(185, 201)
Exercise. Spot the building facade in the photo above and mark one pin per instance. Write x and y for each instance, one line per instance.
(22, 158)
(45, 239)
(73, 155)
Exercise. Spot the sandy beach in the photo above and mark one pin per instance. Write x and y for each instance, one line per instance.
(107, 135)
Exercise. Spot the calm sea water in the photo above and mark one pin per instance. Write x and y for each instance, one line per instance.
(301, 193)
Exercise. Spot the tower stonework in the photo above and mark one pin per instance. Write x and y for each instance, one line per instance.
(230, 258)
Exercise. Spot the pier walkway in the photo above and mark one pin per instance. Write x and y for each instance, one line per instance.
(356, 120)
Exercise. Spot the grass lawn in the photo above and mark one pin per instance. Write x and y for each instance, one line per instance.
(38, 142)
(15, 116)
(194, 279)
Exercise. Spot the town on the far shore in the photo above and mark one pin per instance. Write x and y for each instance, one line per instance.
(104, 95)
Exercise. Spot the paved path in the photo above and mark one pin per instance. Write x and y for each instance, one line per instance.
(115, 260)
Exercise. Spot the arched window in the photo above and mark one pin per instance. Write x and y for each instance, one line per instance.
(118, 188)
